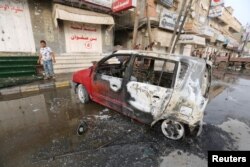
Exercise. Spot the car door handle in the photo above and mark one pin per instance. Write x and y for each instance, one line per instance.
(114, 86)
(156, 97)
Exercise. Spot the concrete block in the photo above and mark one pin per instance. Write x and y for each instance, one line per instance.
(62, 84)
(29, 88)
(47, 86)
(9, 91)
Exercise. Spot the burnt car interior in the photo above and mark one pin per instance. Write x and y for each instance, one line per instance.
(114, 66)
(154, 71)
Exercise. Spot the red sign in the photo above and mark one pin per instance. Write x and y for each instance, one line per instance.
(120, 5)
(217, 2)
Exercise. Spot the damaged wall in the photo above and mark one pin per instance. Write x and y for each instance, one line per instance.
(37, 24)
(15, 27)
(43, 28)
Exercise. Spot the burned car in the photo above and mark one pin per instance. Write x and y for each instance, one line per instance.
(153, 88)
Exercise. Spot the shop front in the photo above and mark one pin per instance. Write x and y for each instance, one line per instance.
(85, 31)
(87, 36)
(189, 42)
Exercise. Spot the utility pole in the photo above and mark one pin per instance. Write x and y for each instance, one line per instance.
(136, 23)
(181, 26)
(150, 36)
(177, 24)
(245, 42)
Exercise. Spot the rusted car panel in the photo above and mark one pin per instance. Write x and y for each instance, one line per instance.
(150, 87)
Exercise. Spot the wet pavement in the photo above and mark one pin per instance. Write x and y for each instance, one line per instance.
(41, 130)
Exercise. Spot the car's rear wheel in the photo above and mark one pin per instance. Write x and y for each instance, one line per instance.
(172, 129)
(82, 93)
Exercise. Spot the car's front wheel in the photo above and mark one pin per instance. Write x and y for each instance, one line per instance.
(82, 93)
(172, 129)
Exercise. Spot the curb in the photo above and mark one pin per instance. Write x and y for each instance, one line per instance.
(34, 88)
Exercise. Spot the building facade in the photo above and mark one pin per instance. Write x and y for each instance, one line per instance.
(202, 35)
(80, 31)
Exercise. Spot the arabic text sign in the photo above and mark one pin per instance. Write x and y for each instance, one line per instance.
(168, 20)
(105, 3)
(120, 5)
(216, 11)
(167, 3)
(206, 30)
(82, 37)
(192, 39)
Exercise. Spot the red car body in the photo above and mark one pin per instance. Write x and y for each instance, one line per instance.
(149, 87)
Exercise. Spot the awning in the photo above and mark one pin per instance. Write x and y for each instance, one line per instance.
(79, 15)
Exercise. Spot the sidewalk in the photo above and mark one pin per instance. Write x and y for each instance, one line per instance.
(62, 80)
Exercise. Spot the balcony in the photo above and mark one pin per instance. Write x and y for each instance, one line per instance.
(235, 26)
(225, 18)
(192, 27)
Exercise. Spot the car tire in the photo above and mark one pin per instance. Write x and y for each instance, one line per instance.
(82, 94)
(172, 129)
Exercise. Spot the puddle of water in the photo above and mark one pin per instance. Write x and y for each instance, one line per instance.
(239, 131)
(47, 120)
(184, 159)
(229, 98)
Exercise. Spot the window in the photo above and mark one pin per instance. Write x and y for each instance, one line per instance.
(114, 66)
(154, 71)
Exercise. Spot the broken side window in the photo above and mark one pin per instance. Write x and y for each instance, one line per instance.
(153, 71)
(115, 66)
(205, 83)
(183, 70)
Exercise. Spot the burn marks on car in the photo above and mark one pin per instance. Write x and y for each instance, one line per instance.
(148, 98)
(115, 83)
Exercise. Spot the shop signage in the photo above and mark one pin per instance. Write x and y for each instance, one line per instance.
(168, 20)
(166, 3)
(98, 4)
(191, 39)
(104, 3)
(121, 5)
(217, 2)
(215, 11)
(206, 30)
(220, 37)
(82, 37)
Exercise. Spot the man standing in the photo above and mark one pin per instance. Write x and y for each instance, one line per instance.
(47, 56)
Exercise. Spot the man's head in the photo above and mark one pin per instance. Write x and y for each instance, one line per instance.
(42, 43)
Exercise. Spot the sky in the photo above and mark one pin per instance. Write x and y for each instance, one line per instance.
(241, 10)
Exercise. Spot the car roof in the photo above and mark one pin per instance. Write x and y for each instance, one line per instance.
(166, 56)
